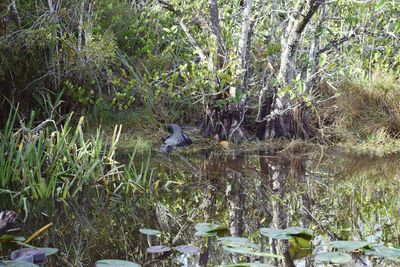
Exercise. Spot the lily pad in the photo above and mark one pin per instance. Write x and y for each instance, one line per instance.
(208, 229)
(349, 246)
(158, 249)
(333, 257)
(379, 250)
(190, 249)
(288, 233)
(249, 264)
(234, 239)
(248, 249)
(116, 263)
(33, 255)
(151, 232)
(17, 264)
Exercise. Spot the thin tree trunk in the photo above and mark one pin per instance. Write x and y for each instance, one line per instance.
(287, 69)
(214, 16)
(244, 36)
(312, 74)
(15, 14)
(80, 24)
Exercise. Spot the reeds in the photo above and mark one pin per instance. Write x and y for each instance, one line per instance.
(58, 161)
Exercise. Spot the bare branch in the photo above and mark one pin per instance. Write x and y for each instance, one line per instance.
(169, 7)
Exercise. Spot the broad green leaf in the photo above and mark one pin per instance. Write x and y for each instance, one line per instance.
(208, 229)
(150, 232)
(116, 263)
(234, 239)
(349, 245)
(380, 250)
(333, 257)
(250, 251)
(288, 233)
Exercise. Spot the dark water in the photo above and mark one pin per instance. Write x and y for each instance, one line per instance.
(339, 196)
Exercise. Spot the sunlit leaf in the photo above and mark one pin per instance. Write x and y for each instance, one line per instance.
(349, 245)
(247, 249)
(116, 263)
(380, 250)
(158, 249)
(151, 232)
(322, 59)
(234, 239)
(288, 233)
(333, 257)
(208, 229)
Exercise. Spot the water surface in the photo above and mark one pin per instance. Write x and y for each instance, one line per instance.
(339, 196)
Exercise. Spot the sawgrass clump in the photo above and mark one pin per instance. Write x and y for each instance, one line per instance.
(368, 115)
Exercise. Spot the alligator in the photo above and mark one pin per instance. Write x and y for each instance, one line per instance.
(176, 139)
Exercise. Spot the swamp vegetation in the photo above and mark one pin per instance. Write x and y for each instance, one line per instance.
(292, 109)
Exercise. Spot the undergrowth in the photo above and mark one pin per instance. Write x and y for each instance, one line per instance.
(368, 117)
(57, 160)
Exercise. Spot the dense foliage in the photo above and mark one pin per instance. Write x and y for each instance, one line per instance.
(170, 55)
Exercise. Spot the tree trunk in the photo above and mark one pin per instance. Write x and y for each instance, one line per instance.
(312, 74)
(214, 17)
(226, 122)
(283, 120)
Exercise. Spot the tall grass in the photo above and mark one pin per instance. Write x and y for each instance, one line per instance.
(58, 161)
(369, 113)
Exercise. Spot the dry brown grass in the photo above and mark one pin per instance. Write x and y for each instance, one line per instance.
(369, 108)
(365, 116)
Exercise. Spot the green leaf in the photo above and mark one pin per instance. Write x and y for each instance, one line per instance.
(250, 264)
(248, 249)
(116, 263)
(299, 248)
(288, 233)
(333, 257)
(322, 59)
(380, 6)
(151, 232)
(208, 229)
(350, 245)
(234, 239)
(380, 250)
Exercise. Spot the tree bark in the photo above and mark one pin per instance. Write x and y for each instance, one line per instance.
(283, 120)
(227, 121)
(214, 16)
